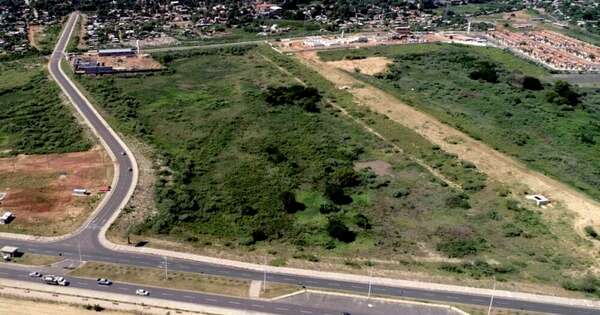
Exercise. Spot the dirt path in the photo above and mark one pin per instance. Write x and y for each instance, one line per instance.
(495, 164)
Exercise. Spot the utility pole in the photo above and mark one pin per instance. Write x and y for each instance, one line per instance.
(492, 298)
(370, 286)
(265, 276)
(370, 282)
(79, 250)
(166, 269)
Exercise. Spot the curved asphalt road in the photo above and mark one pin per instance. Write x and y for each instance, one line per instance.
(92, 250)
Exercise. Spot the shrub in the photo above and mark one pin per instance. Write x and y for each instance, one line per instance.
(338, 230)
(459, 241)
(588, 284)
(402, 192)
(306, 97)
(563, 94)
(591, 232)
(335, 192)
(532, 83)
(485, 71)
(458, 201)
(362, 221)
(458, 248)
(346, 177)
(327, 208)
(290, 204)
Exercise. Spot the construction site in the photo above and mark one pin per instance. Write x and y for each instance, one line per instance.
(111, 61)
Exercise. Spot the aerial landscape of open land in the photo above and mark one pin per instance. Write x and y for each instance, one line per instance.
(38, 188)
(225, 153)
(260, 165)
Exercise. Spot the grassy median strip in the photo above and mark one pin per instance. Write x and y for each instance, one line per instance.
(177, 280)
(36, 259)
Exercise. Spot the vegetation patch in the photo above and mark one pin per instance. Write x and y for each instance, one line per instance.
(33, 119)
(501, 100)
(245, 167)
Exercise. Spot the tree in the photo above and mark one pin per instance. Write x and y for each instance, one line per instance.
(563, 94)
(338, 230)
(290, 204)
(362, 221)
(532, 83)
(485, 71)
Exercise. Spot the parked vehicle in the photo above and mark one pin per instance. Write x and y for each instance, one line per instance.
(35, 274)
(142, 292)
(103, 281)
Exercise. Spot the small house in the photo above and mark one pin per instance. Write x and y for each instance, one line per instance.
(539, 200)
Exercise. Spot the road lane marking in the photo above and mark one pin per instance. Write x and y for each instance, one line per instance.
(188, 297)
(234, 302)
(167, 294)
(281, 308)
(256, 305)
(212, 300)
(305, 312)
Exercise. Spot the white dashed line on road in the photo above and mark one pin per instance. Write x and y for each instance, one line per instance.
(211, 300)
(281, 309)
(256, 305)
(305, 312)
(234, 302)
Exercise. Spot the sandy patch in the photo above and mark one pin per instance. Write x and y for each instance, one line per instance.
(369, 66)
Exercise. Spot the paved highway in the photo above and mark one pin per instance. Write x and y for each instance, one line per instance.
(87, 238)
(21, 274)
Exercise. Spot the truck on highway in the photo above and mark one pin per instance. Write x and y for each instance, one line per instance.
(55, 280)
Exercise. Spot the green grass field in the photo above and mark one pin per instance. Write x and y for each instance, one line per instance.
(559, 140)
(230, 160)
(33, 119)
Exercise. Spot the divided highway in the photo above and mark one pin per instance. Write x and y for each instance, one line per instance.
(87, 238)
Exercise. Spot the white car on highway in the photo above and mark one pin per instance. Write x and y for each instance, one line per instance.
(142, 292)
(103, 281)
(35, 274)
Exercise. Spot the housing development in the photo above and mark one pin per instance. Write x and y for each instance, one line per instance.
(300, 157)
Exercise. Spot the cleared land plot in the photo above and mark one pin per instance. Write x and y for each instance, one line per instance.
(368, 66)
(229, 160)
(130, 63)
(39, 189)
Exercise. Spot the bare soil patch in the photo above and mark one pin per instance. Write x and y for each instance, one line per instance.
(369, 66)
(381, 168)
(33, 34)
(495, 164)
(39, 189)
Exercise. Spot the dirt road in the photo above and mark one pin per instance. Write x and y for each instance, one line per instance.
(495, 164)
